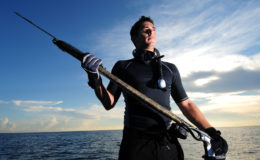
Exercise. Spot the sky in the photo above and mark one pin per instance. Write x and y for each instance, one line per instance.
(214, 44)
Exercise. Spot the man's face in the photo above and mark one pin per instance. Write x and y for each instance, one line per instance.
(146, 38)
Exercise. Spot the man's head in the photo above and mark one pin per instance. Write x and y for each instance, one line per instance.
(143, 34)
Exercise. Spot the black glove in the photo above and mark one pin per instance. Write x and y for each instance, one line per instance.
(90, 64)
(219, 144)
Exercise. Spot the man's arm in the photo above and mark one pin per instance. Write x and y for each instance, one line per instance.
(193, 113)
(105, 97)
(90, 64)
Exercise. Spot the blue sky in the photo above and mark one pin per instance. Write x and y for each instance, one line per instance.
(215, 45)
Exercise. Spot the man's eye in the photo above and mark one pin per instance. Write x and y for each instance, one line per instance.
(148, 31)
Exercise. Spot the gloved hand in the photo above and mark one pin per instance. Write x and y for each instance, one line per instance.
(90, 64)
(219, 144)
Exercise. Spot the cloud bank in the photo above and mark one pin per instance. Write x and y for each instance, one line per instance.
(51, 116)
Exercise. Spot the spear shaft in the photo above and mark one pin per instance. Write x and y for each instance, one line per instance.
(34, 24)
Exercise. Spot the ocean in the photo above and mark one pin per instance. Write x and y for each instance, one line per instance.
(244, 144)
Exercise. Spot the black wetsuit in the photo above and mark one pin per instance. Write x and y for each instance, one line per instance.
(143, 126)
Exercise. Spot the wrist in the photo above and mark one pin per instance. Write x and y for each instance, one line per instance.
(212, 132)
(95, 82)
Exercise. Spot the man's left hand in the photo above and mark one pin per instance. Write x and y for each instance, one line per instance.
(219, 144)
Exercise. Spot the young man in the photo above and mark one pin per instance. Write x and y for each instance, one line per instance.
(145, 135)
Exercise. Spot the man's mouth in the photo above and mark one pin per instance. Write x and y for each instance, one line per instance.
(150, 38)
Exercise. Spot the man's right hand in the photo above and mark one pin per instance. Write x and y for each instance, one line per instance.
(90, 64)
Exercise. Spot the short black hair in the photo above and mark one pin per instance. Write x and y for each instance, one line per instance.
(135, 28)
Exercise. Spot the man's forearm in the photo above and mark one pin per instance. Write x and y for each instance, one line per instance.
(105, 97)
(193, 113)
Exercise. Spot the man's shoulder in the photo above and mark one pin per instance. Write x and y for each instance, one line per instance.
(123, 63)
(172, 67)
(168, 63)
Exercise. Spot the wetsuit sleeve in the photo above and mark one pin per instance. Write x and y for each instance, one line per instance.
(177, 91)
(113, 88)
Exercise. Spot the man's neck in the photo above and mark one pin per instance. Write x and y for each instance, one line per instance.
(151, 49)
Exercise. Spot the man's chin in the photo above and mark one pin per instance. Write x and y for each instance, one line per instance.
(151, 43)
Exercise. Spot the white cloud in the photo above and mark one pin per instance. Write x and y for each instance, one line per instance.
(32, 103)
(55, 118)
(222, 108)
(7, 125)
(197, 61)
(94, 111)
(233, 102)
(5, 122)
(45, 109)
(101, 118)
(100, 125)
(201, 43)
(253, 62)
(245, 105)
(53, 121)
(41, 106)
(197, 96)
(98, 112)
(211, 38)
(203, 81)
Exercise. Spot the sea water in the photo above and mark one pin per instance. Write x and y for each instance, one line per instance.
(244, 144)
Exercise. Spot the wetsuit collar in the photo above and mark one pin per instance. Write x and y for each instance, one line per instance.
(144, 55)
